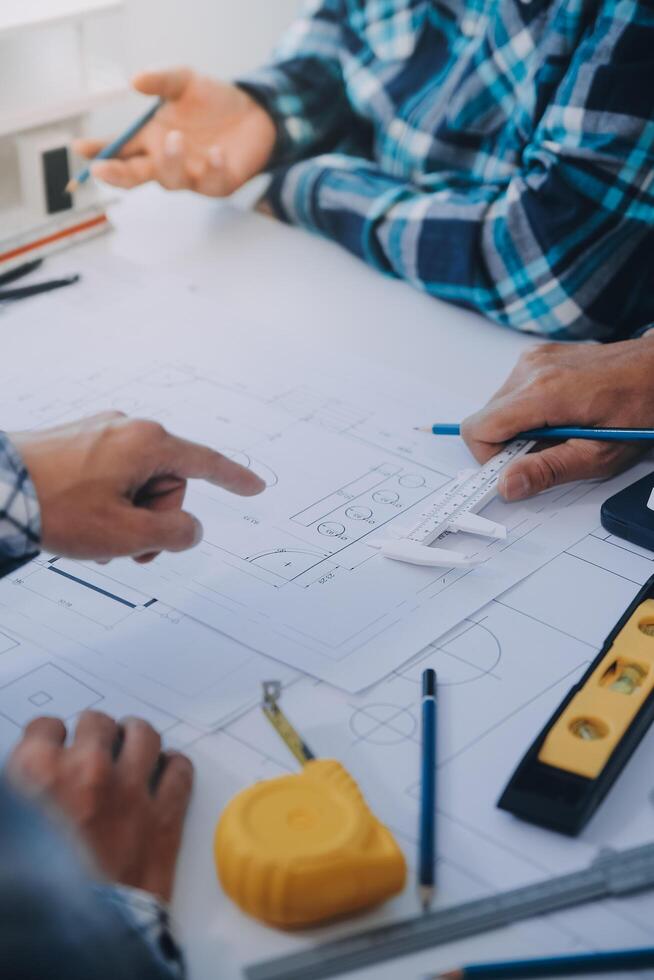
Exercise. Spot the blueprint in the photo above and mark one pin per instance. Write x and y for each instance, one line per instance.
(294, 574)
(290, 573)
(501, 674)
(132, 639)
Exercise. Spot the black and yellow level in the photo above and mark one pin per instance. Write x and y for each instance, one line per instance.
(584, 747)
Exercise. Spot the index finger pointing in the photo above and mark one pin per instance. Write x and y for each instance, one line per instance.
(193, 461)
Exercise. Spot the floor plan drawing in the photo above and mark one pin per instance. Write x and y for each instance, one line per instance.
(296, 573)
(147, 647)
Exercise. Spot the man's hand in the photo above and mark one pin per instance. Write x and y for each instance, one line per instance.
(126, 800)
(209, 137)
(109, 486)
(568, 384)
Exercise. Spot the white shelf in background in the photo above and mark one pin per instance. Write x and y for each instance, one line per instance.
(21, 15)
(46, 114)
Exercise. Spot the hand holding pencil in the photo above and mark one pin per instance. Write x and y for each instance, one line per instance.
(208, 136)
(590, 385)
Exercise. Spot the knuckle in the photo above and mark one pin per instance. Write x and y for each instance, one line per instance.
(183, 771)
(146, 430)
(30, 762)
(140, 727)
(545, 376)
(95, 768)
(96, 718)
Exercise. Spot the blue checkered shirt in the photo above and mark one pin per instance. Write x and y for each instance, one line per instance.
(20, 519)
(498, 154)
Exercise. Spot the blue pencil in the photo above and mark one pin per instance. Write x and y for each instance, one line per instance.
(427, 855)
(557, 432)
(558, 966)
(114, 148)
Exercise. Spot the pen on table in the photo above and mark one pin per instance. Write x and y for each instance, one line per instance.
(113, 149)
(25, 292)
(610, 434)
(20, 271)
(427, 855)
(556, 966)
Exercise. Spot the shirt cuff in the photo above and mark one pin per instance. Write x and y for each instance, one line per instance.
(150, 919)
(20, 517)
(270, 88)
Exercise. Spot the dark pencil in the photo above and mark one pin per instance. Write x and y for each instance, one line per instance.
(25, 292)
(427, 855)
(557, 966)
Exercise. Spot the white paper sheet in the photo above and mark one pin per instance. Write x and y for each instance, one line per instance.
(291, 573)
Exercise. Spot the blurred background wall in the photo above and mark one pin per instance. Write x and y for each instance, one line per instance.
(221, 36)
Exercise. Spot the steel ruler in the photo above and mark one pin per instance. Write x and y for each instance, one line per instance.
(612, 874)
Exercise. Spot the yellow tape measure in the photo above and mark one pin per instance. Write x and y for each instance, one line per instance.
(304, 848)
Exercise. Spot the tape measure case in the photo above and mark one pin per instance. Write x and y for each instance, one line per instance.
(305, 848)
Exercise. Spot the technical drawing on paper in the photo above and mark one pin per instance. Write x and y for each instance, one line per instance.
(294, 573)
(99, 623)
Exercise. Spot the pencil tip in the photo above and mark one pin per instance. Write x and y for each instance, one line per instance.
(421, 428)
(426, 893)
(72, 186)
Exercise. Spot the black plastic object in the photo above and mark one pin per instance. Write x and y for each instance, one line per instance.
(628, 516)
(565, 801)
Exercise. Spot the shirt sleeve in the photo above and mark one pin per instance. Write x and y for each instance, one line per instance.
(20, 519)
(56, 921)
(150, 919)
(303, 90)
(562, 248)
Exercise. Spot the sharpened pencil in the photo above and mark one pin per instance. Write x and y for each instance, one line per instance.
(427, 855)
(556, 966)
(113, 149)
(606, 434)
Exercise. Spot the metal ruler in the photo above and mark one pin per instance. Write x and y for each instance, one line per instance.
(612, 874)
(467, 496)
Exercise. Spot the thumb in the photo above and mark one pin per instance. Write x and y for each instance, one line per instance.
(168, 85)
(539, 471)
(150, 531)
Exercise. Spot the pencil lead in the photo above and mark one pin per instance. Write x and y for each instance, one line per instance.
(426, 893)
(421, 428)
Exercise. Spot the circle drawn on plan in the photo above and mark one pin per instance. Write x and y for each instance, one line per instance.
(331, 528)
(469, 654)
(268, 476)
(383, 724)
(386, 496)
(412, 480)
(287, 563)
(359, 513)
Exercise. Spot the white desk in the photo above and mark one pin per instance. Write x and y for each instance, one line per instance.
(302, 287)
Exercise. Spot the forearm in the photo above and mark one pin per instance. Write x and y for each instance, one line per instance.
(20, 521)
(533, 254)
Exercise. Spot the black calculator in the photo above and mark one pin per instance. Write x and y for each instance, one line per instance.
(629, 514)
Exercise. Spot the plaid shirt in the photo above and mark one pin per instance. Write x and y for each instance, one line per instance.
(20, 519)
(495, 153)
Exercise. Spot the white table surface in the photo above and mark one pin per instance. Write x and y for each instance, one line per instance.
(307, 288)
